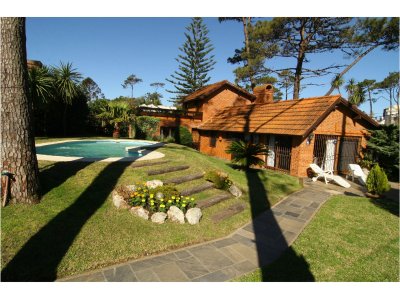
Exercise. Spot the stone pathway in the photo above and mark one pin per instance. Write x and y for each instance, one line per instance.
(250, 247)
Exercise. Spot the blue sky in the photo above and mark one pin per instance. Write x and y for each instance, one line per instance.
(110, 49)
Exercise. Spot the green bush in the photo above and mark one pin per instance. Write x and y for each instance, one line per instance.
(377, 182)
(247, 154)
(219, 179)
(146, 127)
(169, 139)
(183, 136)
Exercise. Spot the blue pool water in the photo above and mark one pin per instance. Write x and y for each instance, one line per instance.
(90, 149)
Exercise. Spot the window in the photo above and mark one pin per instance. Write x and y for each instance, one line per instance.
(256, 138)
(213, 139)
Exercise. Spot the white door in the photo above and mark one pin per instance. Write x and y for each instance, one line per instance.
(271, 151)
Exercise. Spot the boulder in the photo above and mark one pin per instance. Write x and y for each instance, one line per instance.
(119, 201)
(131, 188)
(140, 212)
(176, 215)
(154, 184)
(193, 215)
(158, 217)
(159, 195)
(235, 191)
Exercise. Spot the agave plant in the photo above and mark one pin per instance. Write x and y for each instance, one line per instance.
(247, 154)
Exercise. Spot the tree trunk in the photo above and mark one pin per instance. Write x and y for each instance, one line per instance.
(246, 21)
(18, 153)
(370, 103)
(297, 76)
(65, 119)
(350, 66)
(390, 107)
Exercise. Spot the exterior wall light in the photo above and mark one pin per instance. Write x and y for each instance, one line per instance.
(309, 138)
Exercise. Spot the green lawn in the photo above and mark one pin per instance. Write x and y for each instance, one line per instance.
(350, 239)
(75, 228)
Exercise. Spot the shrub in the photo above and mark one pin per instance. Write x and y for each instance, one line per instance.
(183, 136)
(220, 179)
(169, 139)
(377, 182)
(146, 127)
(247, 154)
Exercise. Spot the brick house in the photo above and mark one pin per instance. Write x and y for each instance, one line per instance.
(328, 130)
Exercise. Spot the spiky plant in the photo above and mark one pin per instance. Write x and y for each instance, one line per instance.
(247, 154)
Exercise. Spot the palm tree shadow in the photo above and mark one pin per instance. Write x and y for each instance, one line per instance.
(39, 258)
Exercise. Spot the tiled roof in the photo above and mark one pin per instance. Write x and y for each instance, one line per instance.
(209, 89)
(292, 117)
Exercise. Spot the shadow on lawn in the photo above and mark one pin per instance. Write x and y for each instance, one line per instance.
(40, 256)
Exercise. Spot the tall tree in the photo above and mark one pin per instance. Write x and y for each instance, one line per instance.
(367, 35)
(297, 38)
(390, 85)
(356, 92)
(67, 85)
(157, 85)
(286, 81)
(248, 72)
(131, 81)
(337, 82)
(195, 62)
(18, 154)
(91, 89)
(369, 86)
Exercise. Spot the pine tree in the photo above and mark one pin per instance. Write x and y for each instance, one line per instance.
(195, 62)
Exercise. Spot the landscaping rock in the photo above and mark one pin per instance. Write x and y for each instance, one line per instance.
(131, 188)
(140, 212)
(176, 215)
(159, 195)
(158, 217)
(154, 184)
(119, 201)
(235, 191)
(193, 215)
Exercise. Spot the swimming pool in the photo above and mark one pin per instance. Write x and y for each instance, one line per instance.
(98, 149)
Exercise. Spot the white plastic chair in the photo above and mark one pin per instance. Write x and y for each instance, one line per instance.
(355, 171)
(328, 176)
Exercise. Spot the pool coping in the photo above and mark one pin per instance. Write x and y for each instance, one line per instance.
(147, 154)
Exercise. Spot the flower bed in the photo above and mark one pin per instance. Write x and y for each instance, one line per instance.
(156, 201)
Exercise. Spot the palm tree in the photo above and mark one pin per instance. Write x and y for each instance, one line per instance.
(369, 85)
(18, 154)
(116, 113)
(356, 92)
(67, 86)
(247, 154)
(337, 82)
(41, 88)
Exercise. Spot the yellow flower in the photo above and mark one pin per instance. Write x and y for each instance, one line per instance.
(187, 198)
(143, 200)
(152, 203)
(184, 201)
(192, 199)
(161, 199)
(162, 206)
(151, 195)
(173, 197)
(183, 205)
(169, 201)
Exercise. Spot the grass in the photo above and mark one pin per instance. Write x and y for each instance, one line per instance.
(76, 228)
(350, 239)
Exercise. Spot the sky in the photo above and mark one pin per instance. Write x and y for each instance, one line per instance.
(110, 49)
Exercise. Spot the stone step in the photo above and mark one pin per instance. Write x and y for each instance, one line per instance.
(213, 200)
(183, 179)
(197, 189)
(229, 212)
(167, 169)
(148, 163)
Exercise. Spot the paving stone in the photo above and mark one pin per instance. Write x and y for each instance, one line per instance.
(121, 273)
(150, 163)
(183, 254)
(192, 267)
(183, 179)
(170, 272)
(233, 255)
(167, 169)
(294, 218)
(223, 242)
(292, 214)
(162, 259)
(246, 252)
(213, 200)
(289, 236)
(210, 257)
(146, 276)
(141, 265)
(244, 267)
(217, 276)
(314, 205)
(197, 189)
(93, 277)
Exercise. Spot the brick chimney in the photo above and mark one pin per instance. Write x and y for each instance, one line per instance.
(264, 94)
